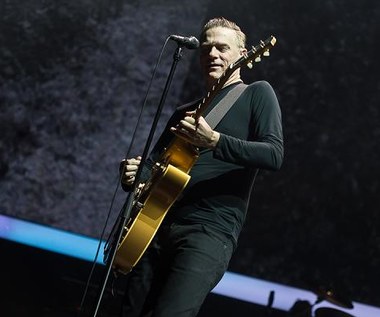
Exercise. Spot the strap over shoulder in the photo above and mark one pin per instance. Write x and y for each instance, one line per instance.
(224, 105)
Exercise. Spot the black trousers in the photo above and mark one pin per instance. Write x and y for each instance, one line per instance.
(177, 272)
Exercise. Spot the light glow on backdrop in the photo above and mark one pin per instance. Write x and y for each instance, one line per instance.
(232, 285)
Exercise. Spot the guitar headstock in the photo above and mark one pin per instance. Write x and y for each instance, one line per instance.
(254, 55)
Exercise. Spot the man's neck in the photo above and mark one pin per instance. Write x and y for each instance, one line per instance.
(234, 78)
(229, 82)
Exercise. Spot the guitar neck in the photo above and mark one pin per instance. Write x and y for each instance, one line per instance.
(205, 102)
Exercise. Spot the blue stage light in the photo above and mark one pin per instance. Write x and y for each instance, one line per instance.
(232, 285)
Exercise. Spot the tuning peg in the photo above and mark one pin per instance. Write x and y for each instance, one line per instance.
(258, 59)
(250, 65)
(266, 53)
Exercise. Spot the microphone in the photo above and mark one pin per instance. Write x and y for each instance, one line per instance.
(190, 42)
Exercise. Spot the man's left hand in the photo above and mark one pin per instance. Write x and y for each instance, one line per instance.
(198, 133)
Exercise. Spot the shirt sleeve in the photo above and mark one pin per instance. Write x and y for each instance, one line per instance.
(264, 148)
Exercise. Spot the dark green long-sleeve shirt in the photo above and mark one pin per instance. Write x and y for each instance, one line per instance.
(251, 138)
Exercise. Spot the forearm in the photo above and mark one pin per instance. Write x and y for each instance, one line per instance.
(267, 153)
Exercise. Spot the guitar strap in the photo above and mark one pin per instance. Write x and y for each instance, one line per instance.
(223, 106)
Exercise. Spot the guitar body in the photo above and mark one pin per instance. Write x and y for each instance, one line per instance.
(162, 194)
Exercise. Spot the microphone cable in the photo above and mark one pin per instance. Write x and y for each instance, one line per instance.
(120, 177)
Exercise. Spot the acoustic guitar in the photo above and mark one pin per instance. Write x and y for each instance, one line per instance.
(170, 175)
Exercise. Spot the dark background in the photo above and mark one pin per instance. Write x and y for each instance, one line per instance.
(73, 77)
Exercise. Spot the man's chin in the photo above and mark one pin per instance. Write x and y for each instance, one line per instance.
(213, 76)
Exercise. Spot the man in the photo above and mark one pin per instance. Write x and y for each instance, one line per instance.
(193, 247)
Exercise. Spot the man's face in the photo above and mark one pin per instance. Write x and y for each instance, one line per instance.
(219, 48)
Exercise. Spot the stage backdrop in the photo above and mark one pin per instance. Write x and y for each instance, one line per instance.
(73, 77)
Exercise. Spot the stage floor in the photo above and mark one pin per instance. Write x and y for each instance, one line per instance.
(40, 283)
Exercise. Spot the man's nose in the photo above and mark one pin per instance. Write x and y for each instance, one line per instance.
(213, 51)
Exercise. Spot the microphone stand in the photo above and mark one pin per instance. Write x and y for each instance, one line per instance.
(127, 207)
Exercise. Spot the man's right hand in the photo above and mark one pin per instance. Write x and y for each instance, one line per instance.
(128, 168)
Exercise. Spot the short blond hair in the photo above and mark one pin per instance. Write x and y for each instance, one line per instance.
(223, 22)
